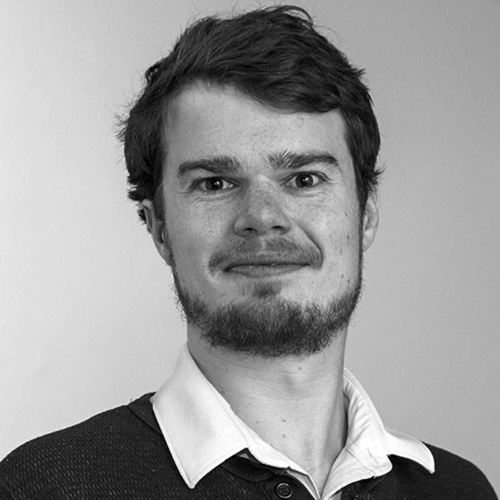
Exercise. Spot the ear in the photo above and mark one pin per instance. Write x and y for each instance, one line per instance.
(370, 220)
(158, 231)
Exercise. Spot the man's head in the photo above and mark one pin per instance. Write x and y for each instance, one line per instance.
(273, 55)
(252, 151)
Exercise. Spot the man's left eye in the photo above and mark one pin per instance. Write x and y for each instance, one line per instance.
(305, 180)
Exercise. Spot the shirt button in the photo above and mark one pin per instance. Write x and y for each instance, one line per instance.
(284, 490)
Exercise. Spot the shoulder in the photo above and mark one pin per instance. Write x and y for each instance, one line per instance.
(95, 435)
(462, 472)
(120, 442)
(454, 477)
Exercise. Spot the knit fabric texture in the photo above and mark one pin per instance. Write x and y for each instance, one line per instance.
(122, 454)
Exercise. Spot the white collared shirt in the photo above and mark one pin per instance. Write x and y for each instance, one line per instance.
(202, 431)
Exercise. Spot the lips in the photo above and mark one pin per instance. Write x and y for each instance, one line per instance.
(264, 271)
(263, 266)
(265, 258)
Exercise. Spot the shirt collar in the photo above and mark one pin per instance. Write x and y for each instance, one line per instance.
(369, 444)
(202, 432)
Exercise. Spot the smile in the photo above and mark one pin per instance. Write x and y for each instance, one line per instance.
(259, 270)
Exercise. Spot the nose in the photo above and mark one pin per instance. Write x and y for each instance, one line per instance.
(261, 212)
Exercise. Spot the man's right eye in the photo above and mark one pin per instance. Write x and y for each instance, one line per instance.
(213, 184)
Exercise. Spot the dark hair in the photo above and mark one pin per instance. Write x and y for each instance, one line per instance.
(276, 57)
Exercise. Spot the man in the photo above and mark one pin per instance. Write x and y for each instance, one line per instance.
(252, 155)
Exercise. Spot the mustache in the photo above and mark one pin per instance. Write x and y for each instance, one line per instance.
(276, 251)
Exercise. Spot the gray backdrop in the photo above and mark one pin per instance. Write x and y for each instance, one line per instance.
(86, 316)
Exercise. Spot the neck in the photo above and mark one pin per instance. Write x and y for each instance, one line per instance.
(296, 404)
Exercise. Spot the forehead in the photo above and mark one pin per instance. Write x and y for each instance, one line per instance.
(210, 121)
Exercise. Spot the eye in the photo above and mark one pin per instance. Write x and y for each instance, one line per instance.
(213, 184)
(306, 180)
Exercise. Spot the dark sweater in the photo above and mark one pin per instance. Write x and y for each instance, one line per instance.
(121, 454)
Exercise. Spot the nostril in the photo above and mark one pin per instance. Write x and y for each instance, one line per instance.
(273, 229)
(247, 226)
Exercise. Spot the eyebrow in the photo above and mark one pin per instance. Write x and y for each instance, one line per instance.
(287, 160)
(229, 165)
(220, 165)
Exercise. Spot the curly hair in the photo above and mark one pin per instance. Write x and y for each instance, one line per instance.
(275, 56)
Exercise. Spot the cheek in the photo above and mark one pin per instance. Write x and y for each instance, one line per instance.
(345, 243)
(351, 233)
(342, 245)
(352, 253)
(192, 236)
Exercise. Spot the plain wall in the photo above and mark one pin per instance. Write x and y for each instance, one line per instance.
(87, 320)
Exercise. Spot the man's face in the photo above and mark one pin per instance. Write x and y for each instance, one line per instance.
(260, 205)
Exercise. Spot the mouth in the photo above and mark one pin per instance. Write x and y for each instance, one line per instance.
(260, 269)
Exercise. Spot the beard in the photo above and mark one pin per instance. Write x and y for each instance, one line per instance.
(268, 325)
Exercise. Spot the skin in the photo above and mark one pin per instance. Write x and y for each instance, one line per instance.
(294, 403)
